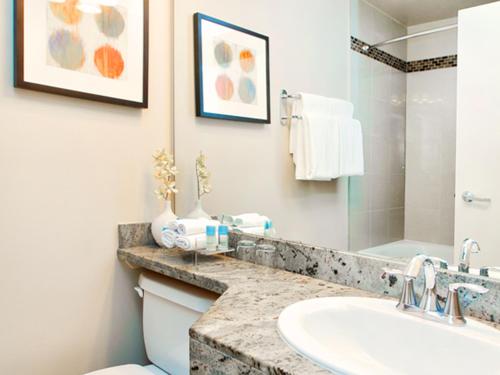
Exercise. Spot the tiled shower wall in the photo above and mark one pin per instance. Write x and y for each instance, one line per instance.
(430, 139)
(406, 101)
(378, 92)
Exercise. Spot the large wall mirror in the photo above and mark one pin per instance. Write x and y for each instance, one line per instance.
(426, 104)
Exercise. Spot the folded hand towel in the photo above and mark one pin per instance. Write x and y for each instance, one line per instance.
(194, 242)
(187, 227)
(169, 237)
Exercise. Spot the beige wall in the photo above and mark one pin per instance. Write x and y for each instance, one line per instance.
(252, 170)
(71, 170)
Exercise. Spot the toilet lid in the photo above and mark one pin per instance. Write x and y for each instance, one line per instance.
(123, 370)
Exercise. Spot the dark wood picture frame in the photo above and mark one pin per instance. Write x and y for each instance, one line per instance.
(19, 81)
(198, 57)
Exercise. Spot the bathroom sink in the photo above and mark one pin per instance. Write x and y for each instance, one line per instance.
(362, 336)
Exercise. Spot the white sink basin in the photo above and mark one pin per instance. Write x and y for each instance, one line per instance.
(369, 336)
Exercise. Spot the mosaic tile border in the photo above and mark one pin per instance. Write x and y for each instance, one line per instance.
(442, 62)
(431, 64)
(379, 55)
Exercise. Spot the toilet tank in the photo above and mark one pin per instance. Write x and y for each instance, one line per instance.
(170, 309)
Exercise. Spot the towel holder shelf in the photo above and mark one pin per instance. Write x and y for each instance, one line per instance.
(285, 108)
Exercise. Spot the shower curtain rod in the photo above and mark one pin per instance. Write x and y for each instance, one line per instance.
(366, 47)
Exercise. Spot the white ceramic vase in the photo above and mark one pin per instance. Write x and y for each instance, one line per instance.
(161, 221)
(198, 212)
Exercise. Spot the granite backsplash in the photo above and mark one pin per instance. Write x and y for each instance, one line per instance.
(345, 268)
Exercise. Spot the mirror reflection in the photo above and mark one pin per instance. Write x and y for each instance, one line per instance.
(384, 149)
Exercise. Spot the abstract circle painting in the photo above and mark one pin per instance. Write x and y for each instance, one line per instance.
(247, 90)
(223, 54)
(224, 87)
(67, 11)
(110, 22)
(66, 48)
(109, 62)
(247, 60)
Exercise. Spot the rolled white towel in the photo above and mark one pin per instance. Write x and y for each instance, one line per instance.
(259, 231)
(226, 219)
(173, 225)
(169, 237)
(194, 242)
(188, 227)
(254, 220)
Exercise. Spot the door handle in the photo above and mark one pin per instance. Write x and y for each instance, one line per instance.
(469, 197)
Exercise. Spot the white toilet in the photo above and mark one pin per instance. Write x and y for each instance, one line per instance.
(170, 309)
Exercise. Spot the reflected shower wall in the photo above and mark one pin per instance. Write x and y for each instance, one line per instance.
(405, 201)
(378, 92)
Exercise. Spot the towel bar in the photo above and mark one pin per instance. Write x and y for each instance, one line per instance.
(284, 110)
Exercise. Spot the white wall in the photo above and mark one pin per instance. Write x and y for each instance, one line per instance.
(376, 200)
(373, 25)
(430, 139)
(251, 168)
(71, 170)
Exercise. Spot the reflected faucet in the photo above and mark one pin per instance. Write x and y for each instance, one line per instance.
(469, 246)
(429, 307)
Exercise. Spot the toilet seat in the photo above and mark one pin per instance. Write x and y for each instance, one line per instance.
(129, 370)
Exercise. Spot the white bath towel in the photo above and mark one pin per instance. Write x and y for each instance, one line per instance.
(169, 237)
(321, 147)
(314, 140)
(351, 148)
(193, 242)
(187, 227)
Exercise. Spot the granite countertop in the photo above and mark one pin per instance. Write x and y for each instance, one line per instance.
(243, 321)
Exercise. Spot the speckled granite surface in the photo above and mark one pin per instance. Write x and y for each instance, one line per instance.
(346, 268)
(208, 361)
(364, 272)
(253, 296)
(242, 323)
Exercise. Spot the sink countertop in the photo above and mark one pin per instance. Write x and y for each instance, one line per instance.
(243, 321)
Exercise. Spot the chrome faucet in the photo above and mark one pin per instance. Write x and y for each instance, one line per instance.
(469, 246)
(429, 307)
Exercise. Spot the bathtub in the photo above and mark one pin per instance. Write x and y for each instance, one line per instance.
(407, 249)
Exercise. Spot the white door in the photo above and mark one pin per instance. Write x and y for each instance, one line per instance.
(478, 131)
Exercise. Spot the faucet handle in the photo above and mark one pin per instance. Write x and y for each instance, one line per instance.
(392, 272)
(452, 309)
(408, 299)
(442, 263)
(472, 287)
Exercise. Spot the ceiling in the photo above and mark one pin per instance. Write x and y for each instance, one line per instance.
(414, 12)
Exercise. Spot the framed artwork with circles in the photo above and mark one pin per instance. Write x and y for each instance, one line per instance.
(232, 72)
(88, 49)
